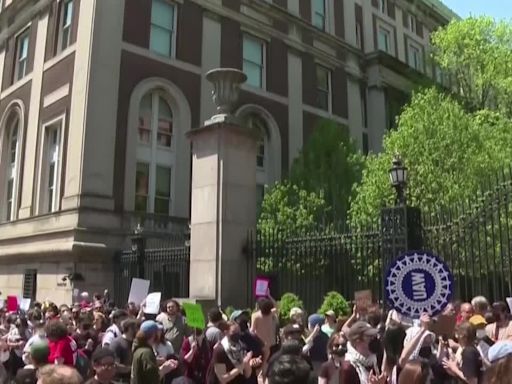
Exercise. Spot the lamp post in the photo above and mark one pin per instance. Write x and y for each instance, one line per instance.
(398, 179)
(138, 249)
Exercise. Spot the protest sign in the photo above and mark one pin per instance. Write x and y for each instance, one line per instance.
(194, 315)
(25, 304)
(444, 326)
(153, 303)
(261, 287)
(12, 303)
(418, 282)
(363, 299)
(509, 302)
(138, 291)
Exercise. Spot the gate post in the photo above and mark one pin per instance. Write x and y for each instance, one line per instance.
(223, 197)
(139, 250)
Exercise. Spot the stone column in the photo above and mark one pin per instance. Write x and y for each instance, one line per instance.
(223, 198)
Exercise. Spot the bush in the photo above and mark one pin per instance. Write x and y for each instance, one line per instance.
(287, 302)
(333, 301)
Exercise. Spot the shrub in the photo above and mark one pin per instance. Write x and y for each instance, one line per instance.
(287, 302)
(335, 302)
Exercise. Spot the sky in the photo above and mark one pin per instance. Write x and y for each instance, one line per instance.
(499, 9)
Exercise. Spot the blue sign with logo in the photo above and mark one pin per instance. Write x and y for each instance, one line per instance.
(419, 282)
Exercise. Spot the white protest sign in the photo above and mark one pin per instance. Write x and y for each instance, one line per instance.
(138, 291)
(509, 302)
(153, 303)
(24, 304)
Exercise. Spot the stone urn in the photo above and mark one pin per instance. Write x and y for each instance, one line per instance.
(226, 88)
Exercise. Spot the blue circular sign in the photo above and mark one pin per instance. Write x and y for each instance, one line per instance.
(418, 282)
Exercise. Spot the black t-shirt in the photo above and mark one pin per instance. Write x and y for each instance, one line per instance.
(471, 365)
(26, 376)
(123, 351)
(220, 356)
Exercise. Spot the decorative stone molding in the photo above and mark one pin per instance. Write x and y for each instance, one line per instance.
(226, 88)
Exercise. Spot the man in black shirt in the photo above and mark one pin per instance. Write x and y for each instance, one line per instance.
(122, 348)
(104, 365)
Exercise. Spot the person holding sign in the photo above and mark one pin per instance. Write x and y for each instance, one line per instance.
(230, 362)
(175, 329)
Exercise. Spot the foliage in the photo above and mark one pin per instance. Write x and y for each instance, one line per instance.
(476, 53)
(329, 165)
(288, 207)
(333, 301)
(449, 153)
(288, 301)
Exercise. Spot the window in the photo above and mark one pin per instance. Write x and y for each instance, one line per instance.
(323, 88)
(366, 146)
(364, 117)
(319, 14)
(155, 155)
(66, 17)
(163, 27)
(383, 6)
(254, 61)
(359, 37)
(415, 60)
(11, 159)
(50, 170)
(21, 55)
(30, 284)
(384, 40)
(411, 21)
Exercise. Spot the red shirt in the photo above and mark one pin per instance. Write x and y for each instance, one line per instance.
(65, 349)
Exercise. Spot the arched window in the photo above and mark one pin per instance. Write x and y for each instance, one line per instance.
(155, 155)
(10, 160)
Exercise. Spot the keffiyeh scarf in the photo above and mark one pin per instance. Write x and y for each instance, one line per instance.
(363, 365)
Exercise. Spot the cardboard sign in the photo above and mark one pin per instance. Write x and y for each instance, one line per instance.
(194, 315)
(138, 291)
(444, 325)
(363, 299)
(153, 303)
(12, 304)
(418, 282)
(25, 304)
(261, 287)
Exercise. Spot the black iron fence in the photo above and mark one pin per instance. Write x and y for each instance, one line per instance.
(474, 238)
(163, 260)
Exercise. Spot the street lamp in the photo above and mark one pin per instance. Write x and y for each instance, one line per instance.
(398, 179)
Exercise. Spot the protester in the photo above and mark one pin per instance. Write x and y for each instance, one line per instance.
(330, 323)
(264, 324)
(250, 343)
(502, 328)
(213, 334)
(39, 335)
(195, 357)
(500, 357)
(393, 345)
(416, 372)
(289, 369)
(145, 369)
(175, 329)
(86, 338)
(58, 374)
(230, 362)
(330, 371)
(466, 313)
(297, 316)
(483, 341)
(122, 348)
(104, 366)
(480, 305)
(63, 349)
(38, 356)
(114, 331)
(316, 343)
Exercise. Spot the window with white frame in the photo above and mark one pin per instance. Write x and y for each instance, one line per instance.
(415, 57)
(323, 87)
(22, 42)
(10, 167)
(155, 155)
(359, 35)
(319, 14)
(163, 28)
(66, 18)
(254, 61)
(411, 23)
(384, 39)
(383, 6)
(50, 167)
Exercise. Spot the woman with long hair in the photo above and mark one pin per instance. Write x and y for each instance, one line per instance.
(416, 372)
(330, 371)
(393, 344)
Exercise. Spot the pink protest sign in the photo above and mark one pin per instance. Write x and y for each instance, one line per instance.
(12, 303)
(261, 286)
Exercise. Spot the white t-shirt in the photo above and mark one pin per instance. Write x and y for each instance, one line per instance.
(113, 332)
(164, 350)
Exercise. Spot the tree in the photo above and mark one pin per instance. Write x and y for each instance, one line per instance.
(449, 153)
(477, 55)
(329, 165)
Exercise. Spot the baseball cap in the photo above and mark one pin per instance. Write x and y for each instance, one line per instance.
(360, 329)
(291, 329)
(295, 311)
(149, 327)
(477, 320)
(330, 313)
(237, 313)
(40, 351)
(315, 320)
(500, 350)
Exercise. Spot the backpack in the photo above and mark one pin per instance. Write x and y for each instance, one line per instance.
(83, 365)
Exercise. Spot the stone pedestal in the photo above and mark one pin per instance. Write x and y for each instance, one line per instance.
(223, 210)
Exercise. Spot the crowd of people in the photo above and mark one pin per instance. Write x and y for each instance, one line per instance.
(94, 342)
